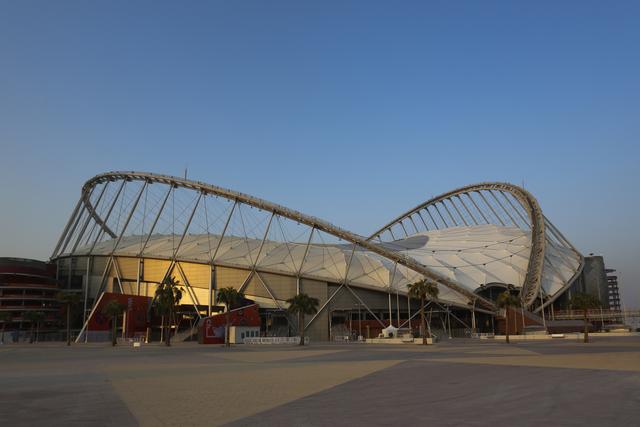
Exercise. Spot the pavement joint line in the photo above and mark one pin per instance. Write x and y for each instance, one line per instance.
(614, 362)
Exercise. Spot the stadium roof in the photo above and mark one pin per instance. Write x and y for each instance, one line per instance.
(476, 235)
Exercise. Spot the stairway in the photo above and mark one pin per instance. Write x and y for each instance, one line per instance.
(533, 317)
(186, 334)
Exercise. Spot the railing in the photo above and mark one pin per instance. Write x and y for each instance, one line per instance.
(275, 340)
(347, 338)
(482, 335)
(24, 336)
(595, 314)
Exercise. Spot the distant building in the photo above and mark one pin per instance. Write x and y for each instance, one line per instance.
(596, 280)
(612, 288)
(28, 285)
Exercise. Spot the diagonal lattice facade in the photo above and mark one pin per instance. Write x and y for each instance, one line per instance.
(462, 240)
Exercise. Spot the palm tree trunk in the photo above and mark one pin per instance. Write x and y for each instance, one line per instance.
(586, 327)
(301, 326)
(68, 325)
(506, 318)
(167, 335)
(422, 322)
(114, 338)
(227, 343)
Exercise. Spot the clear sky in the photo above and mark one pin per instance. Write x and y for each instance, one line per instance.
(350, 111)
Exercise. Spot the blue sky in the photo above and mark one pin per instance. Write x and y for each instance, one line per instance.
(350, 111)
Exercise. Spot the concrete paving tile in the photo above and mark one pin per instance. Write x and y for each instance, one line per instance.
(219, 396)
(448, 394)
(471, 382)
(271, 356)
(62, 400)
(618, 361)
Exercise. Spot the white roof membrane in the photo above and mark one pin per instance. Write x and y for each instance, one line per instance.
(471, 256)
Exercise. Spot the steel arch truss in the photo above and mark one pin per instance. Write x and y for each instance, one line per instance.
(102, 222)
(500, 204)
(138, 214)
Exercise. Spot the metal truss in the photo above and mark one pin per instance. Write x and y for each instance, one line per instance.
(495, 212)
(315, 223)
(490, 203)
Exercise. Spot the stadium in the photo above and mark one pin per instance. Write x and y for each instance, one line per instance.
(129, 231)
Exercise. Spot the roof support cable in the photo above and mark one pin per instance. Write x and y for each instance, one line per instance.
(73, 229)
(391, 232)
(155, 221)
(254, 265)
(144, 217)
(414, 224)
(467, 209)
(491, 207)
(526, 222)
(449, 213)
(435, 205)
(432, 219)
(423, 221)
(106, 219)
(306, 251)
(342, 285)
(224, 231)
(558, 234)
(477, 208)
(176, 250)
(126, 223)
(458, 211)
(404, 229)
(86, 207)
(206, 222)
(503, 208)
(67, 227)
(95, 223)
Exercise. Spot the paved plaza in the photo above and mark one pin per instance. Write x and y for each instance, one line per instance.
(459, 382)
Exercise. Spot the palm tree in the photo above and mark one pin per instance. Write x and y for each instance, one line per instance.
(423, 289)
(228, 296)
(35, 317)
(69, 299)
(302, 304)
(5, 317)
(113, 309)
(168, 296)
(506, 300)
(584, 302)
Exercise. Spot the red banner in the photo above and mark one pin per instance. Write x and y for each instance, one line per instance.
(213, 328)
(135, 318)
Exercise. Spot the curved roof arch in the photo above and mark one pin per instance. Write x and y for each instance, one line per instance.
(315, 223)
(497, 230)
(497, 203)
